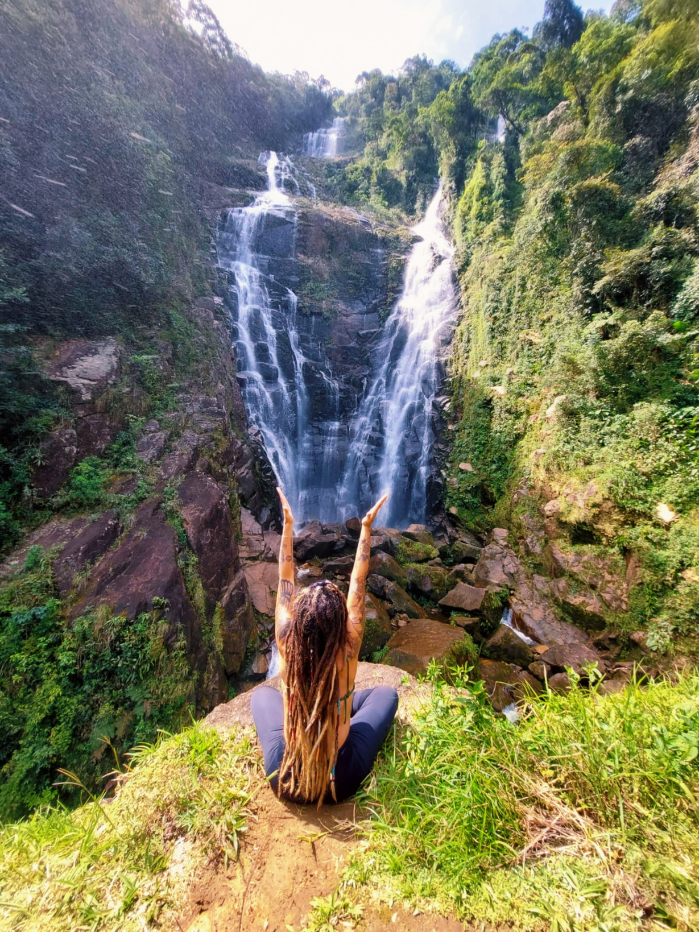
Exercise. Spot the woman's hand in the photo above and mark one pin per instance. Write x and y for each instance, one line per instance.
(368, 518)
(286, 507)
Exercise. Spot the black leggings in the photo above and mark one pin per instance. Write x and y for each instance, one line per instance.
(373, 711)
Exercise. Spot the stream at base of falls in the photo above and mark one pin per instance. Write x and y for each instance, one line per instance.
(336, 445)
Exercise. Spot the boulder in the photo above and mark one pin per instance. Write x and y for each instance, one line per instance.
(316, 541)
(419, 533)
(85, 548)
(559, 683)
(151, 446)
(460, 573)
(385, 539)
(470, 625)
(429, 580)
(463, 552)
(377, 629)
(390, 591)
(573, 656)
(353, 527)
(497, 566)
(410, 551)
(506, 683)
(339, 565)
(609, 687)
(581, 604)
(464, 597)
(540, 670)
(507, 645)
(532, 613)
(413, 647)
(383, 564)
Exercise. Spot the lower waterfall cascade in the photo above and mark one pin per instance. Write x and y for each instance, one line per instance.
(336, 446)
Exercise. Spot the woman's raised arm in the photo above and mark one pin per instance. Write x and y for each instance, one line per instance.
(357, 586)
(285, 590)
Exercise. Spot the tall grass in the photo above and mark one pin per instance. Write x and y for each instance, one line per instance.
(582, 816)
(125, 864)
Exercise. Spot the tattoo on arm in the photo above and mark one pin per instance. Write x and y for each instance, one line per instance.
(286, 590)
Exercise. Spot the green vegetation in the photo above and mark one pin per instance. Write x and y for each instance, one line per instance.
(575, 361)
(74, 693)
(583, 816)
(387, 118)
(126, 864)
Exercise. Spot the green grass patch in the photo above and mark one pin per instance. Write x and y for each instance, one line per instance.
(127, 863)
(582, 816)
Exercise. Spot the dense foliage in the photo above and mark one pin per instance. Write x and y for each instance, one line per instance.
(386, 120)
(575, 366)
(113, 113)
(75, 695)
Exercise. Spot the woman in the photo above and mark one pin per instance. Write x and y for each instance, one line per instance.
(318, 736)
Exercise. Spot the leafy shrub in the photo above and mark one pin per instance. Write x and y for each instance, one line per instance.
(66, 689)
(86, 485)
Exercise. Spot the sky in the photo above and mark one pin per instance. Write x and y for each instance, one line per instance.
(340, 40)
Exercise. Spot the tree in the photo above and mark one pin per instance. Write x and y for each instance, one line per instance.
(562, 25)
(504, 78)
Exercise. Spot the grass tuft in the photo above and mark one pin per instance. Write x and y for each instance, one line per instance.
(124, 863)
(583, 816)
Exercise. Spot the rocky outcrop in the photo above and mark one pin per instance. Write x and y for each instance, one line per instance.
(207, 521)
(464, 597)
(86, 367)
(414, 646)
(89, 544)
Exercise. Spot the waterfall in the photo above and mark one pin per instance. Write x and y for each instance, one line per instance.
(333, 444)
(269, 378)
(391, 439)
(325, 143)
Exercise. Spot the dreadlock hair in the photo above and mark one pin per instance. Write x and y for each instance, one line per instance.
(317, 632)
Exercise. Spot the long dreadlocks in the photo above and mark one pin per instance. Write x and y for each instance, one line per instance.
(317, 631)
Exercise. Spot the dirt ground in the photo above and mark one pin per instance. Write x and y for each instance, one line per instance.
(289, 855)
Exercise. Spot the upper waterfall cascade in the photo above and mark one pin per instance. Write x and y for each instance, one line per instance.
(325, 143)
(335, 440)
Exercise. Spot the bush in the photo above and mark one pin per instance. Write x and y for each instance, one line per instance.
(70, 691)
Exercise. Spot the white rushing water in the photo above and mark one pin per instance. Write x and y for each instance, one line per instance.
(272, 406)
(396, 415)
(333, 452)
(325, 143)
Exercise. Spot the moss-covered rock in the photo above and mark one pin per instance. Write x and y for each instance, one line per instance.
(411, 551)
(430, 581)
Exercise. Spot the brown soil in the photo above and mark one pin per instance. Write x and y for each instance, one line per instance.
(290, 855)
